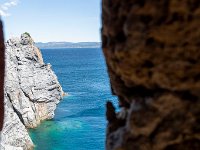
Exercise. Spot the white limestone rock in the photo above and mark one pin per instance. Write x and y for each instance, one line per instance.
(26, 39)
(32, 92)
(14, 135)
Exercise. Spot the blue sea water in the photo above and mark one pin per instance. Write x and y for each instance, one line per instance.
(79, 122)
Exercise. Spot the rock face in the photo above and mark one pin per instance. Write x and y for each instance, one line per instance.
(2, 70)
(153, 58)
(32, 92)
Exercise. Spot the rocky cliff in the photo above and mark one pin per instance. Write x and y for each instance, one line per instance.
(153, 58)
(32, 92)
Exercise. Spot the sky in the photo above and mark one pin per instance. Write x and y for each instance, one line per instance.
(52, 20)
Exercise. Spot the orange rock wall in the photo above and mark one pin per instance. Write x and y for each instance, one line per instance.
(2, 64)
(152, 50)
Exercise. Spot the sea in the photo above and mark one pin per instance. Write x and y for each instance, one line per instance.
(79, 122)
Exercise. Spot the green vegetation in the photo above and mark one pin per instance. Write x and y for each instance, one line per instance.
(27, 34)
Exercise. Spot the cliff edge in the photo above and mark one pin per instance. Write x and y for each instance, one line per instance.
(32, 92)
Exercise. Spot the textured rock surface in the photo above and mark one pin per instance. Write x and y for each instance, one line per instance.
(32, 92)
(153, 58)
(2, 69)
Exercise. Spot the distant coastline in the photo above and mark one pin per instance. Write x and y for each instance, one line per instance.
(51, 45)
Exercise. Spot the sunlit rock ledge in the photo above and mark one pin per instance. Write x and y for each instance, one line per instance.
(32, 92)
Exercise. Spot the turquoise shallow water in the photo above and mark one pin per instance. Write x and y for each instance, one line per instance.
(79, 122)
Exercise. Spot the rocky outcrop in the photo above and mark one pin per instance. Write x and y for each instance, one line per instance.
(153, 58)
(32, 92)
(2, 70)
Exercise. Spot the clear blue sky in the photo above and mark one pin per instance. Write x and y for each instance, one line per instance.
(52, 20)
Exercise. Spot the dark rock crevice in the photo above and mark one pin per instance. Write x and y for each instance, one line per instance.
(15, 110)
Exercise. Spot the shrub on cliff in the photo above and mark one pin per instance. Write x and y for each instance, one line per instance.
(27, 34)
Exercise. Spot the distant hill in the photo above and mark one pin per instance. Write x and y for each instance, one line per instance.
(51, 45)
